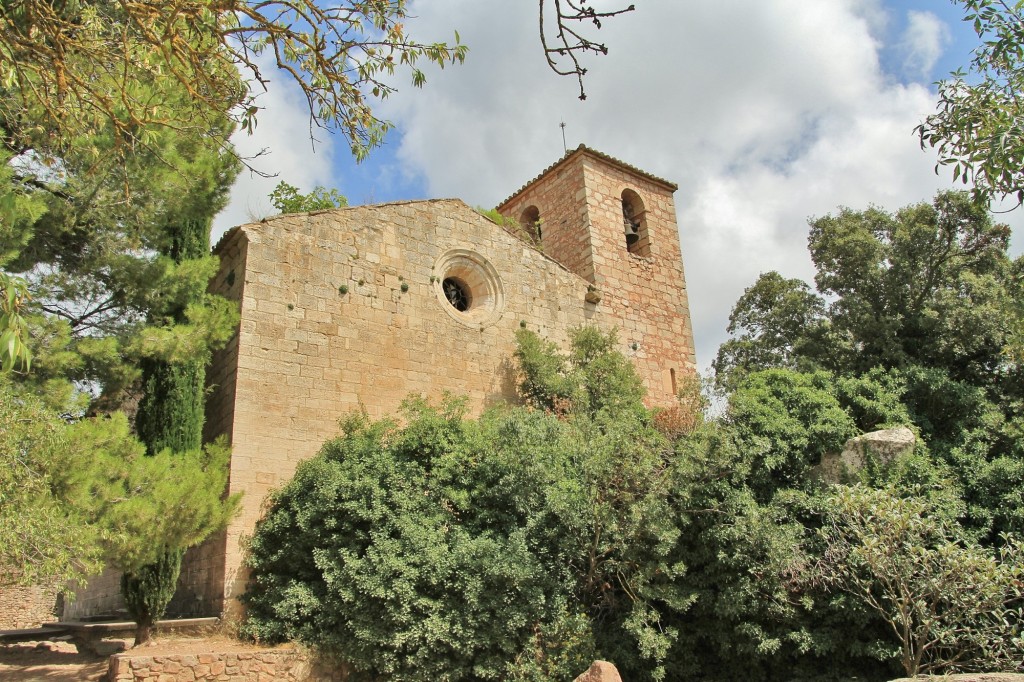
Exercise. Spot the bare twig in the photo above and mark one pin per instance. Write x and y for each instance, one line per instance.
(566, 43)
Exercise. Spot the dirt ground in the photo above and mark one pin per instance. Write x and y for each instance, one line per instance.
(49, 661)
(62, 662)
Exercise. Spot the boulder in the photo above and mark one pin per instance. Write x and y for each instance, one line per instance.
(600, 671)
(885, 446)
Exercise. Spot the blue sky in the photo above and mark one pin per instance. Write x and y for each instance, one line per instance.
(956, 53)
(765, 112)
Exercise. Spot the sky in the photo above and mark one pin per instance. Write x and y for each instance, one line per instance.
(765, 113)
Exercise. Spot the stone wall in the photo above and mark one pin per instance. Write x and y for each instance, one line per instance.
(198, 591)
(343, 310)
(100, 596)
(289, 665)
(27, 607)
(647, 295)
(559, 196)
(286, 665)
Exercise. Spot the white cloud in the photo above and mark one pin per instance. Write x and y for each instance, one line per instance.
(765, 113)
(923, 42)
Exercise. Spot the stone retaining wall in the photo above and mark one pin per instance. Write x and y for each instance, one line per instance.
(286, 665)
(27, 607)
(101, 595)
(272, 665)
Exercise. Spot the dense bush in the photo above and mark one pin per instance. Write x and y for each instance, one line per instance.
(516, 546)
(525, 543)
(519, 545)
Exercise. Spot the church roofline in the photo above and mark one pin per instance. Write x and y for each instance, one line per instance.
(239, 231)
(234, 232)
(231, 232)
(585, 150)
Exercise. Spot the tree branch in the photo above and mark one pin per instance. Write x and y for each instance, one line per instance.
(568, 44)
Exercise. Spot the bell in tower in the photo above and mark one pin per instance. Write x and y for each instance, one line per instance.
(630, 224)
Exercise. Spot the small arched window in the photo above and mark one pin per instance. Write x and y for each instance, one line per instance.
(634, 224)
(530, 219)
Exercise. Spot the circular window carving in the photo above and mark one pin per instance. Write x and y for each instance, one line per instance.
(457, 293)
(469, 288)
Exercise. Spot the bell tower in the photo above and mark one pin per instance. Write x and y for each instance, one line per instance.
(614, 225)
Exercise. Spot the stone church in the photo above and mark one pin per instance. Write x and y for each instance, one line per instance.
(356, 308)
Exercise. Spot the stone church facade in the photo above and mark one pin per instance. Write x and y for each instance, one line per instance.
(356, 308)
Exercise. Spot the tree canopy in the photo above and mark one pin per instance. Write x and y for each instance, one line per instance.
(43, 538)
(84, 66)
(925, 300)
(78, 495)
(85, 233)
(928, 286)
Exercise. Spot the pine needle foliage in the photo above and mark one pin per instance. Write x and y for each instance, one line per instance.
(77, 495)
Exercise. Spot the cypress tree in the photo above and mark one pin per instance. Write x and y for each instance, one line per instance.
(148, 591)
(171, 417)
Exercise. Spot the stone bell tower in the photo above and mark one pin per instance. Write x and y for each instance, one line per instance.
(614, 225)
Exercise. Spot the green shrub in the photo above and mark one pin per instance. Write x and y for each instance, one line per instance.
(786, 421)
(517, 546)
(413, 553)
(594, 379)
(287, 199)
(43, 539)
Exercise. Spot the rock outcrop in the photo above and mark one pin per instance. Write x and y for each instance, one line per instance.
(885, 446)
(600, 671)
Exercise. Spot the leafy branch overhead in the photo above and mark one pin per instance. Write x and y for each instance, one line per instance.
(89, 61)
(565, 43)
(978, 129)
(82, 66)
(13, 350)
